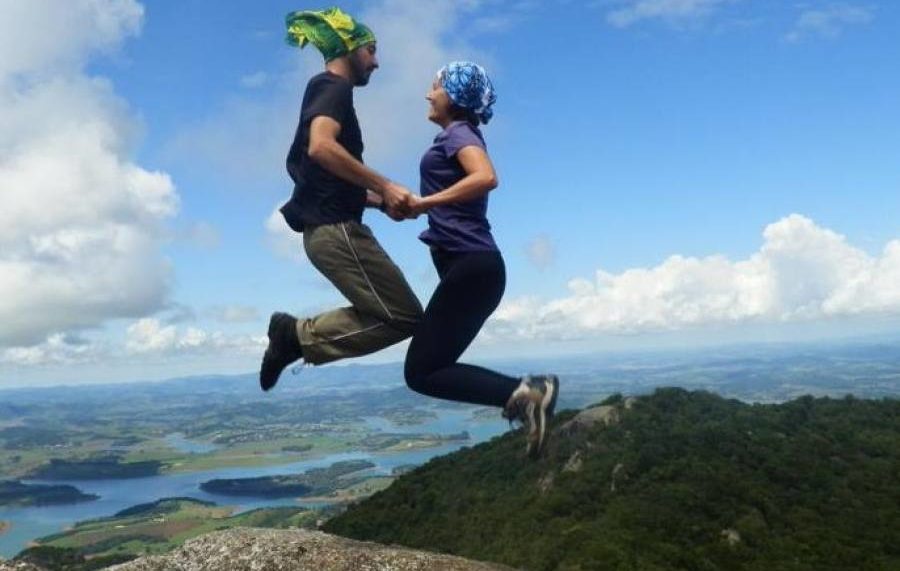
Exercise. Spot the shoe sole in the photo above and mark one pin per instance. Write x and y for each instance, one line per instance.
(273, 323)
(548, 406)
(274, 319)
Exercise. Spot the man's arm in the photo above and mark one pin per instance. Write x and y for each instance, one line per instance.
(332, 156)
(374, 200)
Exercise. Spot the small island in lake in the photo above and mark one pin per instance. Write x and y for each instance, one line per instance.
(16, 494)
(315, 481)
(4, 527)
(107, 468)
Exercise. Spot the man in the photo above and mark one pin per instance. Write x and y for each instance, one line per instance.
(332, 188)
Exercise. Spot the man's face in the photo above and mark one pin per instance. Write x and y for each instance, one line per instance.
(363, 62)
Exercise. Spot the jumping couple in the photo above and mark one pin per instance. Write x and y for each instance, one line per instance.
(332, 189)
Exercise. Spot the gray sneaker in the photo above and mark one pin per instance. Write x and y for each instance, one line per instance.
(533, 404)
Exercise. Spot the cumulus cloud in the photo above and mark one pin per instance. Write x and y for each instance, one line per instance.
(144, 339)
(676, 12)
(829, 21)
(254, 80)
(221, 139)
(58, 349)
(200, 234)
(282, 240)
(234, 313)
(80, 224)
(52, 36)
(149, 336)
(391, 108)
(802, 272)
(541, 252)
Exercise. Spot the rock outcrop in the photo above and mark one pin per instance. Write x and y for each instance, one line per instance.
(588, 418)
(244, 549)
(17, 566)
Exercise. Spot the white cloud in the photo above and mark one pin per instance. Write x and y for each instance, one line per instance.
(149, 337)
(284, 242)
(49, 35)
(541, 252)
(803, 272)
(245, 138)
(80, 224)
(201, 234)
(58, 349)
(145, 340)
(254, 80)
(234, 313)
(676, 12)
(414, 41)
(829, 21)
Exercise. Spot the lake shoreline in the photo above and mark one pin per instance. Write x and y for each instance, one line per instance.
(120, 494)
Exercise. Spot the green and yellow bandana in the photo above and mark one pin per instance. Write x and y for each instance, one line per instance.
(332, 31)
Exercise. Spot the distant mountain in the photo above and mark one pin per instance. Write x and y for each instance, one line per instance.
(672, 480)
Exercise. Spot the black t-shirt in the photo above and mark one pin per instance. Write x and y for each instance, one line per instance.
(319, 196)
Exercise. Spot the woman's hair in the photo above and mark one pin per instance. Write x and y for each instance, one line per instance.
(470, 89)
(463, 114)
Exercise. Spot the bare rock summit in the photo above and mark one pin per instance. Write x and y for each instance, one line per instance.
(245, 549)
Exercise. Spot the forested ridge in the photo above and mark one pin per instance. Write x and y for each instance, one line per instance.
(673, 480)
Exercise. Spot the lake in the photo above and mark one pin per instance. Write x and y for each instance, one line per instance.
(115, 495)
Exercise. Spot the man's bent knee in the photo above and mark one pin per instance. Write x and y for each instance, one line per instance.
(407, 321)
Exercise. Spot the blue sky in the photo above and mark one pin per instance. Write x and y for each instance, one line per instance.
(673, 172)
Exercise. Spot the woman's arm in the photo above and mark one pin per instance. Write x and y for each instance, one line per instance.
(479, 180)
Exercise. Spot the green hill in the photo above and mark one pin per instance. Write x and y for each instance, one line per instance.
(15, 493)
(673, 480)
(151, 528)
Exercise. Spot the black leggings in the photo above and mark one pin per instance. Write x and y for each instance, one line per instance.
(471, 286)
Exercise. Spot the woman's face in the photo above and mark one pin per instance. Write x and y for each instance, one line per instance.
(439, 110)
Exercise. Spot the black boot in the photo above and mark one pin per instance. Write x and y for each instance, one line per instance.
(284, 349)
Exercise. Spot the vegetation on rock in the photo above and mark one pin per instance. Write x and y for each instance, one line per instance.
(673, 480)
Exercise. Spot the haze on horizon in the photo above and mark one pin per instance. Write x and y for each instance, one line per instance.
(672, 175)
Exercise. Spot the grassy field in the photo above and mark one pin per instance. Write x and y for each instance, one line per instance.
(167, 525)
(355, 492)
(19, 464)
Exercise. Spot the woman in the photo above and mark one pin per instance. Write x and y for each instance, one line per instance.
(456, 176)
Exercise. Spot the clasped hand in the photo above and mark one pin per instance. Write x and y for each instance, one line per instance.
(401, 204)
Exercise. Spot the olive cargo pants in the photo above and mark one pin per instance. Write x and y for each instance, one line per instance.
(383, 311)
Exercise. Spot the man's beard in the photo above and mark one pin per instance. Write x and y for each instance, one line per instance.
(360, 73)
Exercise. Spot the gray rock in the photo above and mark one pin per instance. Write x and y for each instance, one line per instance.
(17, 566)
(615, 474)
(244, 549)
(545, 484)
(731, 536)
(588, 418)
(574, 463)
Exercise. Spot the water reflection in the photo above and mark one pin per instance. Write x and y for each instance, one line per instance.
(116, 495)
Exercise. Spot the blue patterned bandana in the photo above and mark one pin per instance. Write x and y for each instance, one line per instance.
(469, 87)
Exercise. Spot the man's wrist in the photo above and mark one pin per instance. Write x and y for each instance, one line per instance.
(383, 187)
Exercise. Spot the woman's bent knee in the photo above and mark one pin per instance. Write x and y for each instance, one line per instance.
(416, 377)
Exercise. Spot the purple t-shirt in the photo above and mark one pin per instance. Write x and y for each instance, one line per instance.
(462, 226)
